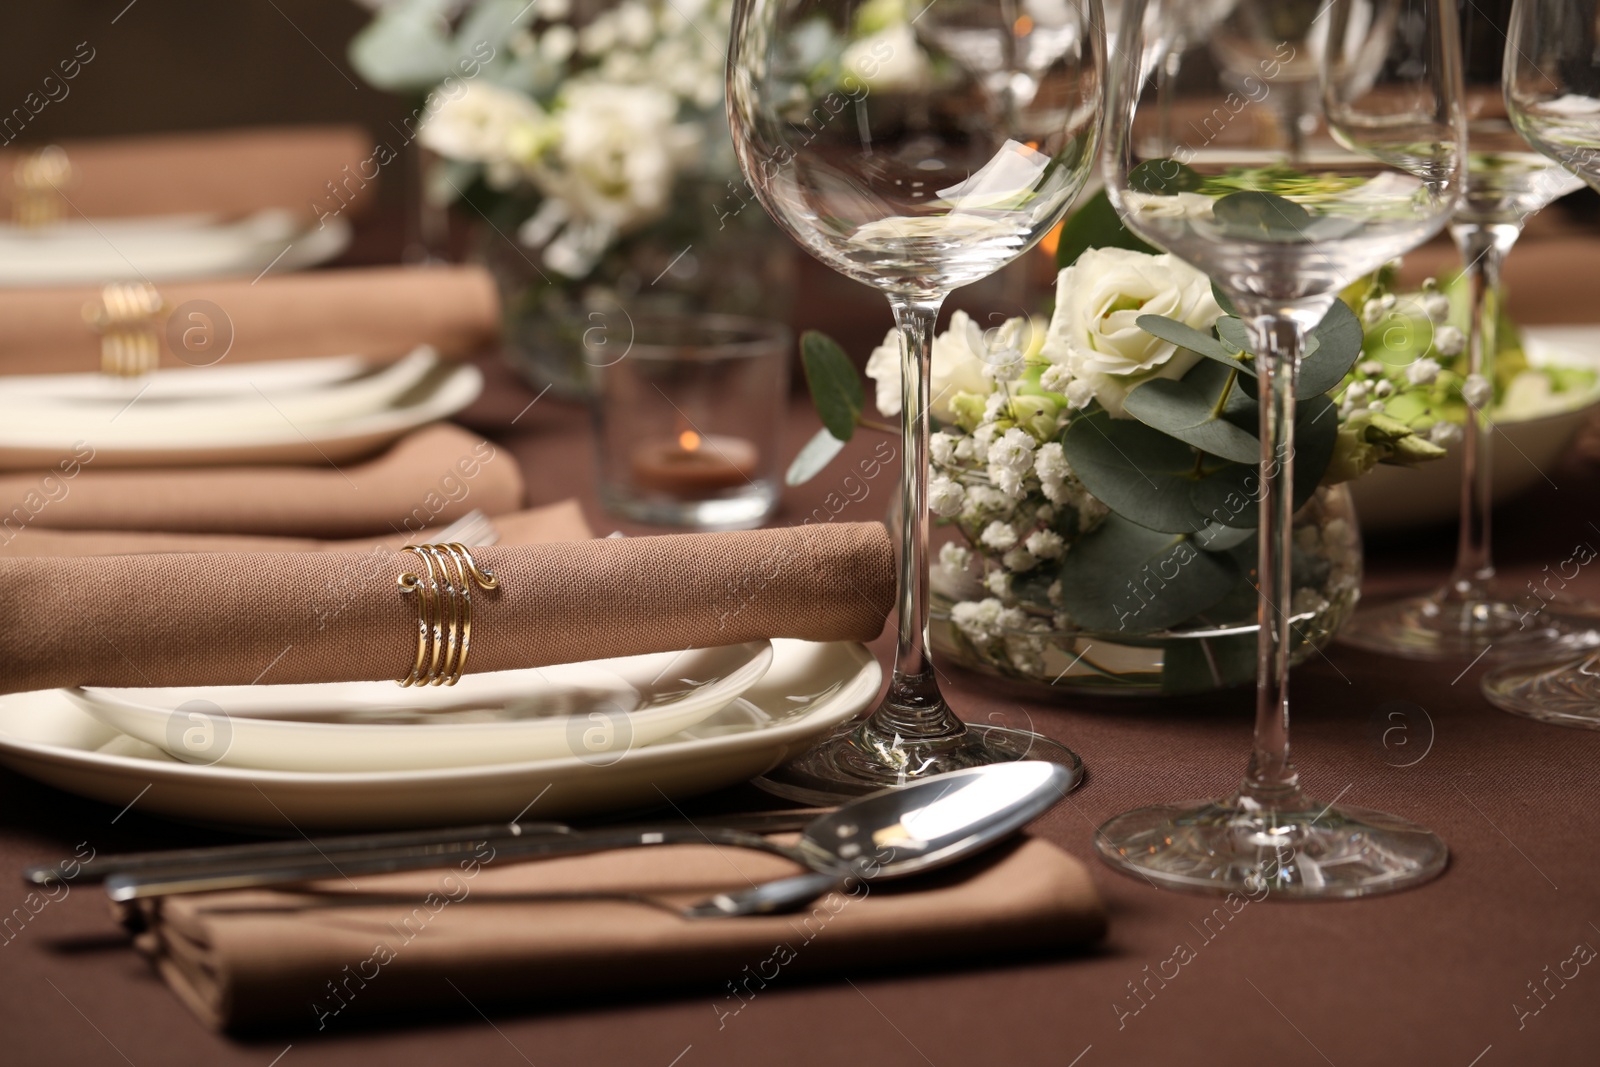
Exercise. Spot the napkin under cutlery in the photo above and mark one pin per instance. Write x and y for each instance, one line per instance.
(243, 618)
(536, 934)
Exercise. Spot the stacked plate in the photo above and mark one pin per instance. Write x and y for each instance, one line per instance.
(546, 742)
(163, 248)
(292, 411)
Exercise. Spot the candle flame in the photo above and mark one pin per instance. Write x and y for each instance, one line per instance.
(689, 441)
(1022, 27)
(1051, 241)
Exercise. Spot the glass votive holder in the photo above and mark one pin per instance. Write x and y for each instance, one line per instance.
(689, 421)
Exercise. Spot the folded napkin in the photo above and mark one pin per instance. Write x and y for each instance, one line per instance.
(515, 935)
(537, 526)
(431, 477)
(227, 618)
(227, 173)
(382, 313)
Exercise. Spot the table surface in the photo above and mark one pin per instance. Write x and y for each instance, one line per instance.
(1436, 975)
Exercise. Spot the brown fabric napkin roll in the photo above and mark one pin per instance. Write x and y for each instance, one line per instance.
(537, 526)
(229, 618)
(381, 313)
(515, 935)
(226, 172)
(431, 477)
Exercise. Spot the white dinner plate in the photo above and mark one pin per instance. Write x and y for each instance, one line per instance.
(80, 251)
(809, 690)
(1525, 450)
(572, 709)
(284, 420)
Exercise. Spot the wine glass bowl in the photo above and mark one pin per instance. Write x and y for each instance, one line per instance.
(915, 148)
(1283, 207)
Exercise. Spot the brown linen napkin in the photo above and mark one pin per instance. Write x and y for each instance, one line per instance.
(431, 477)
(226, 172)
(537, 526)
(516, 934)
(381, 313)
(226, 618)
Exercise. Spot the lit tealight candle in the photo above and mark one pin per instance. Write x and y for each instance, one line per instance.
(692, 467)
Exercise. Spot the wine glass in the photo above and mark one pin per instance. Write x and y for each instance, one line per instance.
(1552, 91)
(916, 148)
(1201, 168)
(1506, 183)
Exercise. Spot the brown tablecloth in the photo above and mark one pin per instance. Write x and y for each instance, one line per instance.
(1429, 977)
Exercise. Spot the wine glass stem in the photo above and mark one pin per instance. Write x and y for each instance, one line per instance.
(914, 709)
(1483, 249)
(1270, 780)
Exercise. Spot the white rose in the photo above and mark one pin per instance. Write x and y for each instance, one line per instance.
(480, 124)
(1094, 331)
(957, 368)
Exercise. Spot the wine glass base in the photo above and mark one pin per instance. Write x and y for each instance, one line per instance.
(1324, 853)
(1435, 628)
(843, 766)
(1565, 694)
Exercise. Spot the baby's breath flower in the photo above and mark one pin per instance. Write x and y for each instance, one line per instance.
(1449, 341)
(1423, 371)
(999, 536)
(1045, 544)
(946, 496)
(1476, 390)
(1018, 560)
(954, 557)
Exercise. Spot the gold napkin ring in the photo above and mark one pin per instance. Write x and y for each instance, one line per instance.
(444, 610)
(39, 178)
(126, 318)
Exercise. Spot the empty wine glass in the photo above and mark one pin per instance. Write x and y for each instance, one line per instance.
(1199, 164)
(1552, 91)
(916, 148)
(1506, 183)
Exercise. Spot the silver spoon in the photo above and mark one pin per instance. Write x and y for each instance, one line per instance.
(903, 831)
(891, 834)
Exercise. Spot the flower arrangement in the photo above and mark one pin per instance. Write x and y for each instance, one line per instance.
(582, 127)
(1099, 472)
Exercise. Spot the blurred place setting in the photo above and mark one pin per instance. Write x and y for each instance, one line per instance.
(725, 531)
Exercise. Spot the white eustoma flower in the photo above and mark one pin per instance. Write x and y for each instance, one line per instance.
(1094, 331)
(946, 496)
(1046, 544)
(1449, 341)
(999, 536)
(1423, 371)
(957, 368)
(481, 123)
(1013, 451)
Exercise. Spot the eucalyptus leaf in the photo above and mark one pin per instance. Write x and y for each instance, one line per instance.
(1228, 496)
(1260, 216)
(1095, 225)
(1175, 332)
(1190, 409)
(1217, 538)
(1163, 177)
(835, 385)
(1198, 665)
(1123, 577)
(1332, 348)
(1224, 301)
(817, 454)
(1138, 472)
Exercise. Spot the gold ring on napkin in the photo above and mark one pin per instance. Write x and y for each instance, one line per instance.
(443, 647)
(39, 178)
(125, 319)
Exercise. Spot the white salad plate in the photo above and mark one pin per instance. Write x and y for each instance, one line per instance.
(270, 415)
(574, 709)
(79, 251)
(809, 690)
(1529, 438)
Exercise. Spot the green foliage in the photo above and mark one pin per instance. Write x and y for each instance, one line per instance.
(834, 383)
(1191, 409)
(1125, 577)
(1095, 224)
(817, 454)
